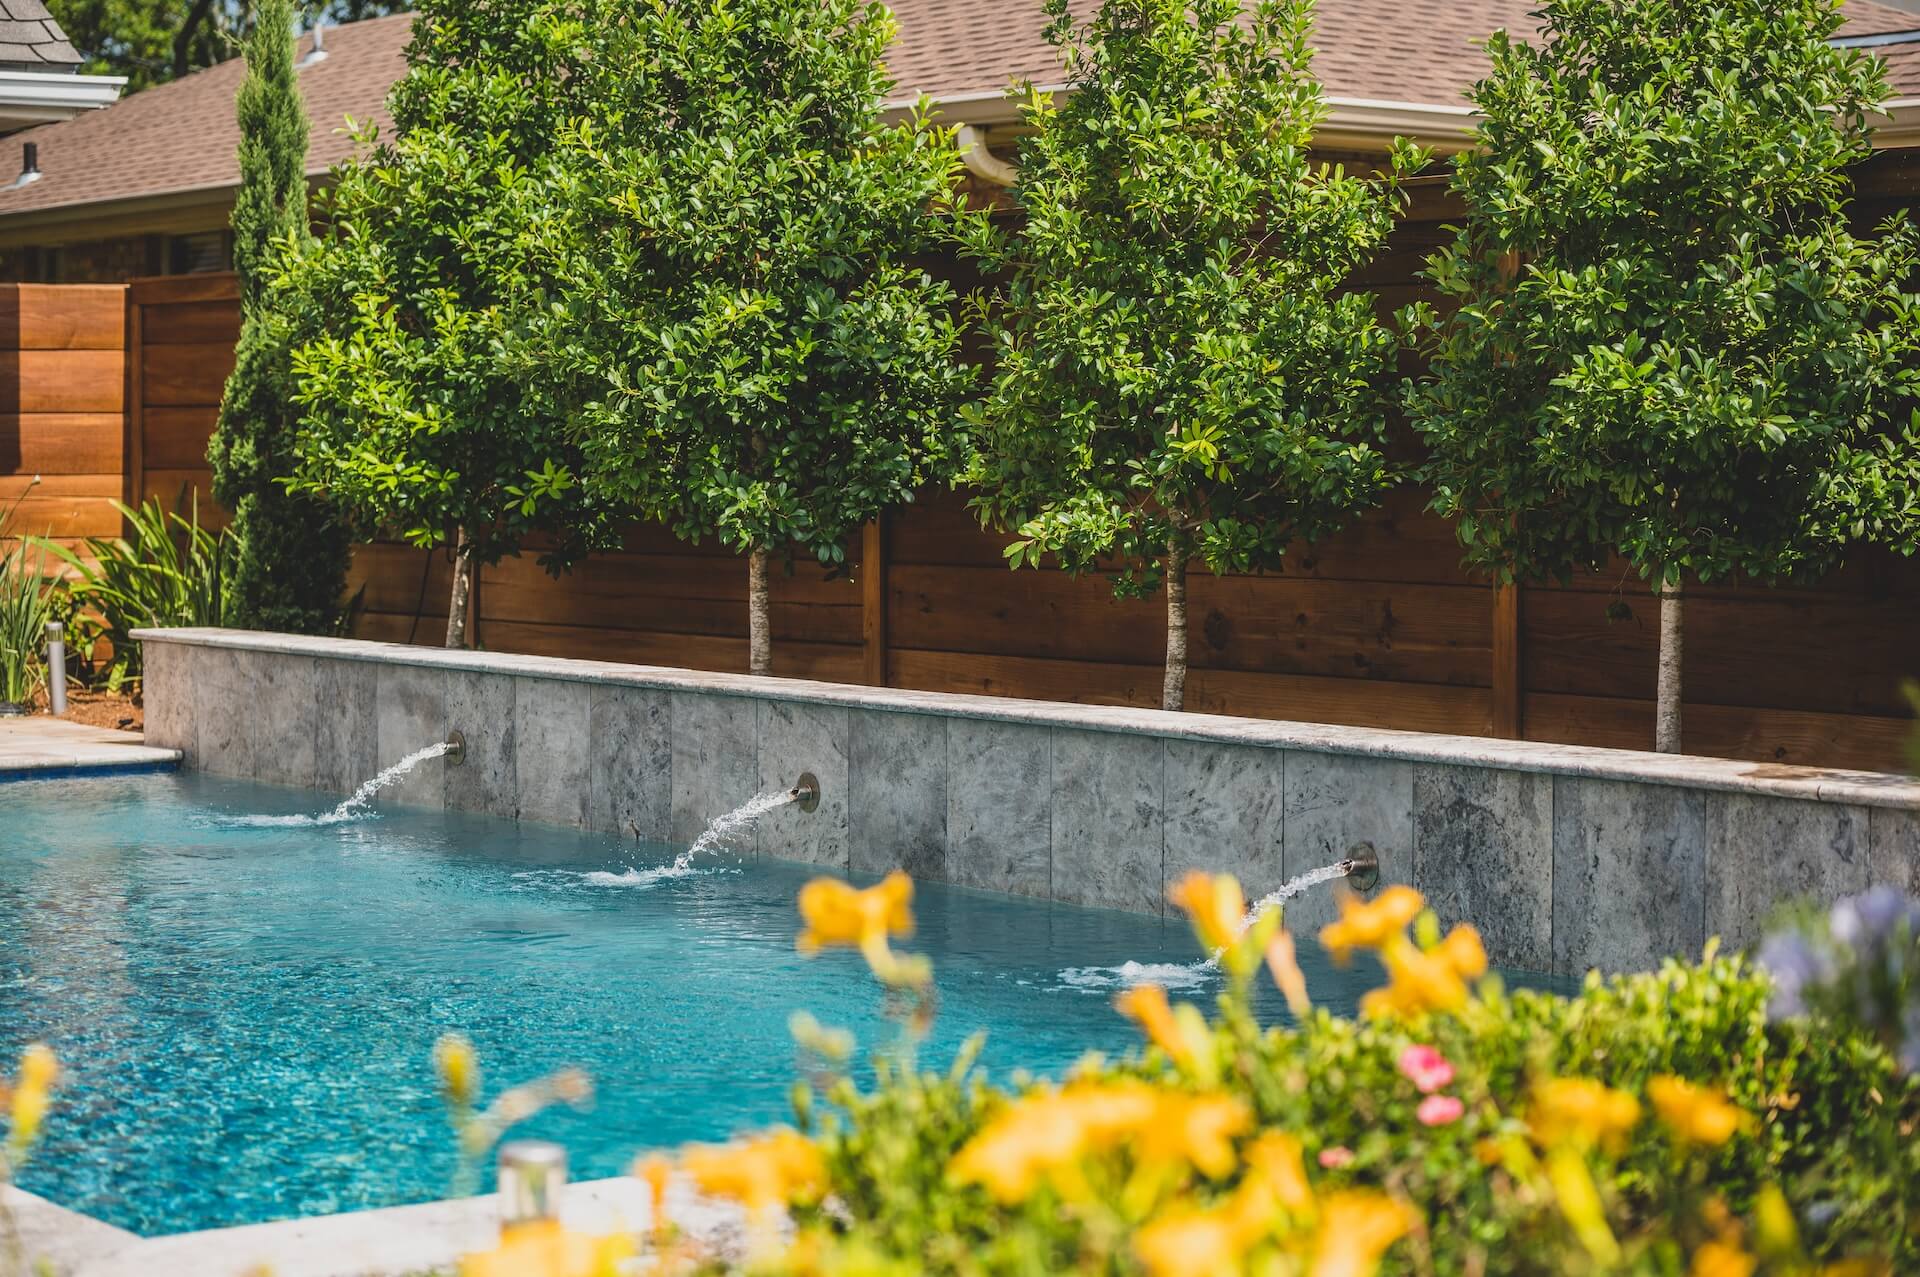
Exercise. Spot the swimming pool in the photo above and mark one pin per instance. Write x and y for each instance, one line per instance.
(246, 1011)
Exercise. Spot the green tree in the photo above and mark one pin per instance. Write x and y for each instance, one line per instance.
(290, 570)
(1662, 340)
(425, 416)
(771, 367)
(1180, 371)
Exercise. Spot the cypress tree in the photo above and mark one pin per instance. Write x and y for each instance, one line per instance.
(291, 567)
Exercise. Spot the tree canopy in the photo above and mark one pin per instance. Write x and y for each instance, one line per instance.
(1662, 337)
(1181, 371)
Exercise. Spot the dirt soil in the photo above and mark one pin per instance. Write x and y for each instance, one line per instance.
(98, 709)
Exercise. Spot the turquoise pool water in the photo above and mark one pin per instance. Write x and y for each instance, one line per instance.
(246, 1013)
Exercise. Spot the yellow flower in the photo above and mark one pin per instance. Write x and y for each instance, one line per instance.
(1356, 1228)
(1369, 925)
(1463, 951)
(1215, 904)
(459, 1068)
(654, 1171)
(1195, 1129)
(38, 1071)
(1277, 1161)
(1047, 1130)
(1698, 1115)
(1417, 982)
(1581, 1112)
(838, 914)
(763, 1173)
(1191, 1243)
(544, 1249)
(1284, 966)
(1724, 1258)
(1146, 1005)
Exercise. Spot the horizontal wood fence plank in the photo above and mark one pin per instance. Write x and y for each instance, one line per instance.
(62, 316)
(33, 381)
(1772, 737)
(164, 290)
(176, 438)
(400, 578)
(792, 659)
(640, 579)
(60, 443)
(190, 323)
(191, 374)
(1785, 651)
(1416, 707)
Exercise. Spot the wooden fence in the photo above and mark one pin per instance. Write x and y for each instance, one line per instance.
(1378, 626)
(62, 356)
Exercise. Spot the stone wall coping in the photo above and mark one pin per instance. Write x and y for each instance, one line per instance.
(1868, 789)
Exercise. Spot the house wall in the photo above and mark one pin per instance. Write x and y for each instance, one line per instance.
(1566, 858)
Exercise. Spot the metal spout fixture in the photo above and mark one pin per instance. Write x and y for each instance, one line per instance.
(805, 792)
(1363, 866)
(456, 748)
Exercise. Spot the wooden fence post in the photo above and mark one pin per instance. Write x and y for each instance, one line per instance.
(133, 449)
(873, 601)
(1508, 717)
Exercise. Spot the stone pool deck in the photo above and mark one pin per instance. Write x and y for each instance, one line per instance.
(39, 747)
(428, 1238)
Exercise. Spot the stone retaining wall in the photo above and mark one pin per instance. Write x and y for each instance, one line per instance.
(1565, 857)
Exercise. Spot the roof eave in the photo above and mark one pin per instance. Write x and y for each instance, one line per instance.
(1361, 123)
(56, 95)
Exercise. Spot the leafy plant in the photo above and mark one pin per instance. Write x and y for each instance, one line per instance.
(1181, 370)
(289, 571)
(1660, 338)
(27, 602)
(423, 415)
(768, 363)
(168, 571)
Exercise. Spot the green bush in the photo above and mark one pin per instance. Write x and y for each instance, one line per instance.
(26, 605)
(1656, 1123)
(167, 571)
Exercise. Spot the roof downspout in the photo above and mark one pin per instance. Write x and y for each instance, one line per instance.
(981, 162)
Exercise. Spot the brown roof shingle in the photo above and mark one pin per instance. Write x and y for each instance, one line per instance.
(31, 40)
(180, 137)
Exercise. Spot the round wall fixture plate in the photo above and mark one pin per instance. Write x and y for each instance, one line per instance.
(1363, 866)
(456, 748)
(807, 792)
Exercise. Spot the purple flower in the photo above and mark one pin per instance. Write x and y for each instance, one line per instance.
(1869, 918)
(1908, 1056)
(1791, 961)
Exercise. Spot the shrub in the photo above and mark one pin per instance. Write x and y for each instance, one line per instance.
(167, 571)
(1657, 1123)
(26, 605)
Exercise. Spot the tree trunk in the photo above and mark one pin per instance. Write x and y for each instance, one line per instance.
(759, 615)
(1173, 694)
(462, 591)
(1666, 705)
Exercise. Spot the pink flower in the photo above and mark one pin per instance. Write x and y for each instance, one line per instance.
(1332, 1159)
(1426, 1068)
(1439, 1110)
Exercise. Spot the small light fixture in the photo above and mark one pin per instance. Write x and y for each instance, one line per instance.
(318, 53)
(29, 166)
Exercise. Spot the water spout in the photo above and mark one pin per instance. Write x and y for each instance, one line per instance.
(805, 793)
(361, 800)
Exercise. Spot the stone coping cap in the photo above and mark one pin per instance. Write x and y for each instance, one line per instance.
(1871, 789)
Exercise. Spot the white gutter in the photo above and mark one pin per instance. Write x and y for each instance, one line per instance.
(1902, 128)
(44, 96)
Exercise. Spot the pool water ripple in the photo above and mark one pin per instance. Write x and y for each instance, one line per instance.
(246, 1011)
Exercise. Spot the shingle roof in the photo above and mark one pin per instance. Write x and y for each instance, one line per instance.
(30, 40)
(180, 137)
